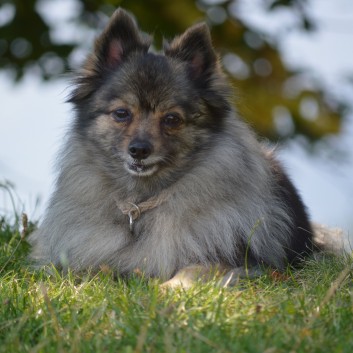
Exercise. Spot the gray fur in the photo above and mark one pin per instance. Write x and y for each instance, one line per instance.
(84, 228)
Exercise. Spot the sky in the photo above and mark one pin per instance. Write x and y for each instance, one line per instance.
(34, 119)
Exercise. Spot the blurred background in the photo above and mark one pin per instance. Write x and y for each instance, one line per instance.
(290, 62)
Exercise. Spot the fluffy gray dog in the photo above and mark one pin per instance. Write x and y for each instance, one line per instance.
(160, 174)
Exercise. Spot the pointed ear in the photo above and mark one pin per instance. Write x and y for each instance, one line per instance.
(118, 40)
(194, 47)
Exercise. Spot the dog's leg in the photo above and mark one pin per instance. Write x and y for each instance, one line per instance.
(225, 276)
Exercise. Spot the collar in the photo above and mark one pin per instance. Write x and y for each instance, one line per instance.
(134, 210)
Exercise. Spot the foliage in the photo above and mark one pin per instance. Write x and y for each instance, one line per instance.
(46, 311)
(277, 101)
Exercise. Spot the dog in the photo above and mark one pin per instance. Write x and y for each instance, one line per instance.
(160, 174)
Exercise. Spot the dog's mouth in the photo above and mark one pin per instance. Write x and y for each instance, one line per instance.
(139, 168)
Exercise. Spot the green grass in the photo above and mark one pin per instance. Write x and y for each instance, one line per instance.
(310, 310)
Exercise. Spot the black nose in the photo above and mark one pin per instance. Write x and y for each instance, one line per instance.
(140, 149)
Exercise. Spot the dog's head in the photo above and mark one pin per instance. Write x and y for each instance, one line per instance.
(150, 113)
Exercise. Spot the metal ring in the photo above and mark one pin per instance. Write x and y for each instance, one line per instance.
(132, 210)
(131, 215)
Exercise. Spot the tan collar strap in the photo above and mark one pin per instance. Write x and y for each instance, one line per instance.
(134, 211)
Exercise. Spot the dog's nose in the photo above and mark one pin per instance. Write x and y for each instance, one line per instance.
(140, 149)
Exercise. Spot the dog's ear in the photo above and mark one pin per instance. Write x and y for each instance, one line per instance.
(194, 47)
(119, 39)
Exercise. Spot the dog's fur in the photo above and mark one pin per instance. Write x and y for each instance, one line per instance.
(160, 128)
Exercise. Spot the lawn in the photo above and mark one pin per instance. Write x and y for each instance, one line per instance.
(307, 310)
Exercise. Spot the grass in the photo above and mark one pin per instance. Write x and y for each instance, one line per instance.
(309, 310)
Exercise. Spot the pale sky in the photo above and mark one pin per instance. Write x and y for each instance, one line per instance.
(34, 119)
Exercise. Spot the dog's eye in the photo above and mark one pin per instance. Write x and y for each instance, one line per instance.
(171, 121)
(121, 115)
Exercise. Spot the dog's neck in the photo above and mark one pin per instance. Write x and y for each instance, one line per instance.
(134, 211)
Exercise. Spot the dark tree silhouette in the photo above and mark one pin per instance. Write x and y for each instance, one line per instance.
(272, 97)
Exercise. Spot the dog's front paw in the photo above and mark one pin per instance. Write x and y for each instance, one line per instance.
(233, 276)
(186, 277)
(225, 277)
